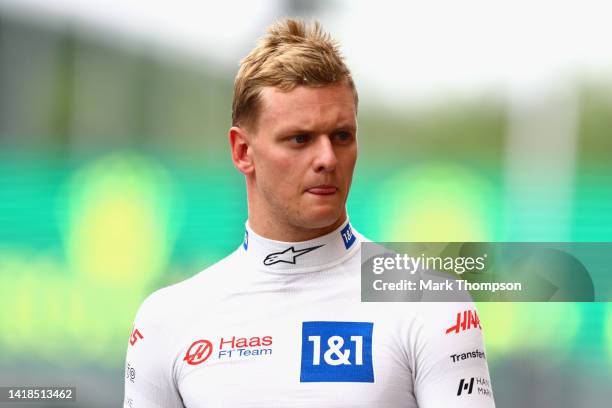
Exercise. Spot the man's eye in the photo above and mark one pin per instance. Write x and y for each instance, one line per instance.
(300, 139)
(343, 136)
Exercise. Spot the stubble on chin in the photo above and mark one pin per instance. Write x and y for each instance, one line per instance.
(300, 213)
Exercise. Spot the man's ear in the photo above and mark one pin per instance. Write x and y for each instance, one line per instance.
(241, 150)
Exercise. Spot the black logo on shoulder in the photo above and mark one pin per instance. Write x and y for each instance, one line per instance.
(483, 386)
(288, 255)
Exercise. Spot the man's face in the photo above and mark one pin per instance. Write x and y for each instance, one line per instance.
(304, 150)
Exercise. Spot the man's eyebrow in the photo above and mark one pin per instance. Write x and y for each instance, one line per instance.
(347, 126)
(301, 130)
(293, 130)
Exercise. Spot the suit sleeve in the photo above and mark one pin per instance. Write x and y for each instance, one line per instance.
(149, 381)
(450, 366)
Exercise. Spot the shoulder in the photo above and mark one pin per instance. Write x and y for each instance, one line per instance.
(171, 302)
(447, 317)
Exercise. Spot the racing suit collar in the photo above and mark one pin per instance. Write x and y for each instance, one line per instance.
(315, 254)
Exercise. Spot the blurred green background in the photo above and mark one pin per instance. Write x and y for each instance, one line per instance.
(115, 180)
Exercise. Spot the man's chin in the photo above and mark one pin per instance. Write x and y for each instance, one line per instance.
(323, 217)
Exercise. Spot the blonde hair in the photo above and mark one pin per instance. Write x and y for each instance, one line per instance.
(293, 53)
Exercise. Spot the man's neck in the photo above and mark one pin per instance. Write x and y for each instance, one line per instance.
(271, 229)
(306, 255)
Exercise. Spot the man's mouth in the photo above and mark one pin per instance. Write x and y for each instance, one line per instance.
(323, 189)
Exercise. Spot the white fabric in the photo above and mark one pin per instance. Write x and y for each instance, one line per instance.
(297, 348)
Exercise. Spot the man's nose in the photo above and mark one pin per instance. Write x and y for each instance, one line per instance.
(325, 159)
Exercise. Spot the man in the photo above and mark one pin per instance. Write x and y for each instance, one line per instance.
(279, 322)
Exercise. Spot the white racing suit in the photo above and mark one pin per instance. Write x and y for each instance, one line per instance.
(279, 324)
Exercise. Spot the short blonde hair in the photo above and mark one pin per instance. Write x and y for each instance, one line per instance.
(293, 53)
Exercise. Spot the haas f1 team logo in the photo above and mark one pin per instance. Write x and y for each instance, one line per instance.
(465, 321)
(483, 387)
(198, 352)
(288, 255)
(465, 386)
(230, 348)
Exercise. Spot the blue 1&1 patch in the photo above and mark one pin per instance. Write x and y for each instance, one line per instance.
(337, 352)
(347, 236)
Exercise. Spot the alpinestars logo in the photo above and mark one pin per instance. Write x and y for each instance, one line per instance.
(288, 255)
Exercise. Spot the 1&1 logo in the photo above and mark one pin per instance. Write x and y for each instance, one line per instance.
(337, 352)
